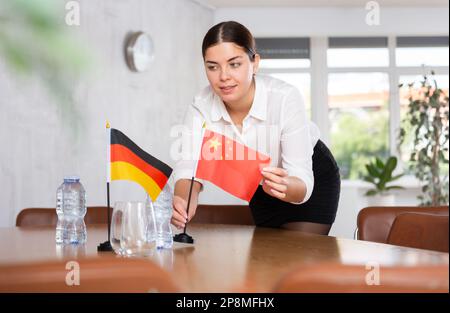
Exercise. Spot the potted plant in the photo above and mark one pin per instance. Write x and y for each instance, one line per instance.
(427, 120)
(380, 175)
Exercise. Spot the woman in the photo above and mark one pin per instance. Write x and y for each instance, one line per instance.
(300, 189)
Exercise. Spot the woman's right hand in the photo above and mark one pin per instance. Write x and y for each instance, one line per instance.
(179, 214)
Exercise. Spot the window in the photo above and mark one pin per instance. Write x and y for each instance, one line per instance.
(357, 52)
(358, 101)
(284, 63)
(359, 119)
(360, 115)
(283, 48)
(418, 51)
(420, 55)
(288, 59)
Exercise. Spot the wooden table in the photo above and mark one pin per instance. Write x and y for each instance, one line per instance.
(224, 257)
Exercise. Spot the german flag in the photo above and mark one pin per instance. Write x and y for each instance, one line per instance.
(129, 162)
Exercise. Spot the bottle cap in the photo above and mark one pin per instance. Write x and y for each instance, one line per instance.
(71, 179)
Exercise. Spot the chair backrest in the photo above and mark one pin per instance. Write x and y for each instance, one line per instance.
(211, 214)
(356, 278)
(419, 230)
(374, 223)
(101, 274)
(48, 217)
(223, 214)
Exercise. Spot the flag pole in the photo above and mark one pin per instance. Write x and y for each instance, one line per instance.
(184, 237)
(106, 246)
(108, 212)
(189, 202)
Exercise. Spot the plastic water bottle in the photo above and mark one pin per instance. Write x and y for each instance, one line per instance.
(71, 209)
(163, 214)
(150, 211)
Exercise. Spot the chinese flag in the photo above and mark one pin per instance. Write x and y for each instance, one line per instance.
(230, 165)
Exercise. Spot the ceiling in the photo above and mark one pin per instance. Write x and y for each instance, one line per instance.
(321, 3)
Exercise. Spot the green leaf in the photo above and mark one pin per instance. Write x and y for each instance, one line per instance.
(387, 172)
(394, 187)
(379, 163)
(371, 192)
(369, 179)
(372, 170)
(397, 177)
(391, 164)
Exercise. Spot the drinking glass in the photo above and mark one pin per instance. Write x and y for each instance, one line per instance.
(130, 225)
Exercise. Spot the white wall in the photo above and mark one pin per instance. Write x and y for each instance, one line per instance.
(352, 200)
(316, 22)
(38, 147)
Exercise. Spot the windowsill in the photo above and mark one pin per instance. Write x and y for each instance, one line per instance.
(407, 182)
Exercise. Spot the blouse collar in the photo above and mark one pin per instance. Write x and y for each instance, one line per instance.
(258, 109)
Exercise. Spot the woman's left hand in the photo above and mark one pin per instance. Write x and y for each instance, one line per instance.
(275, 182)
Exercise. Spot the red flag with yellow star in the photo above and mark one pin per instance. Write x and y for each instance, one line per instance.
(230, 165)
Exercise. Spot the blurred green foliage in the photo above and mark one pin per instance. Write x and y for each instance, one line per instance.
(427, 121)
(380, 174)
(36, 42)
(359, 135)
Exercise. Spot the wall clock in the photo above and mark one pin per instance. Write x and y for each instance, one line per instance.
(139, 52)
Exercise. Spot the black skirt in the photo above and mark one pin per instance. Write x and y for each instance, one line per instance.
(320, 208)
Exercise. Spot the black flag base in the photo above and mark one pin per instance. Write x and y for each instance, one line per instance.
(183, 237)
(104, 247)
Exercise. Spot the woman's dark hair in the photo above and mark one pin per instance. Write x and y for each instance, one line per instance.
(230, 32)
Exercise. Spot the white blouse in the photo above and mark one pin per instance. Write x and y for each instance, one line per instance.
(276, 125)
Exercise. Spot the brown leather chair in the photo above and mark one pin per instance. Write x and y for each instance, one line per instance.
(102, 274)
(223, 214)
(353, 278)
(48, 217)
(419, 230)
(374, 223)
(208, 214)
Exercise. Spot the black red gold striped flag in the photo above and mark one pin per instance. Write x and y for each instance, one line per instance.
(129, 162)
